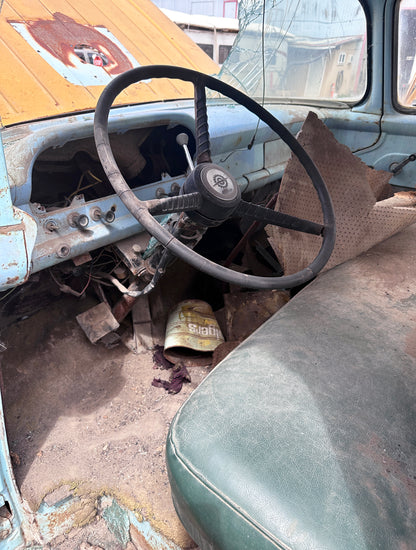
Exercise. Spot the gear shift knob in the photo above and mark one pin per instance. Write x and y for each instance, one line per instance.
(182, 140)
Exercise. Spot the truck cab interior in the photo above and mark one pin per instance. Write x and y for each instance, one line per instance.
(135, 177)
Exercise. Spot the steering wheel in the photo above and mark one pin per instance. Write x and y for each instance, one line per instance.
(210, 194)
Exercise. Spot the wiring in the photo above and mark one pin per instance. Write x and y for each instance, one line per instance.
(7, 294)
(85, 187)
(67, 289)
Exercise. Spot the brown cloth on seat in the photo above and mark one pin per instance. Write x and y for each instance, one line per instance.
(366, 211)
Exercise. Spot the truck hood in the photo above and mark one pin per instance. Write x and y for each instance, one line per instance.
(57, 59)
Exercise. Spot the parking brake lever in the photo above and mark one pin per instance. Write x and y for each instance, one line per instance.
(182, 140)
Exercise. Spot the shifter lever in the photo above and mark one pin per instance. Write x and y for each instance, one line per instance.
(182, 140)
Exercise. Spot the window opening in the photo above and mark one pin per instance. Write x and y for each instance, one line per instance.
(406, 62)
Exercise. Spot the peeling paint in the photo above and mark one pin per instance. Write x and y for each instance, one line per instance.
(83, 54)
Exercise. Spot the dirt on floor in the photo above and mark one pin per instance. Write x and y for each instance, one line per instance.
(88, 418)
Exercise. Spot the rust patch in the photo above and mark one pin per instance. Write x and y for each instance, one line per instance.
(62, 34)
(12, 280)
(138, 539)
(246, 311)
(10, 229)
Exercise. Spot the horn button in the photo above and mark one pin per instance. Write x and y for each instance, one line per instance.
(219, 191)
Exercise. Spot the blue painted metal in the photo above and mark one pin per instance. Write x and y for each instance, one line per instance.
(24, 143)
(390, 62)
(252, 168)
(117, 519)
(9, 494)
(58, 519)
(156, 540)
(17, 235)
(55, 520)
(7, 216)
(120, 520)
(68, 242)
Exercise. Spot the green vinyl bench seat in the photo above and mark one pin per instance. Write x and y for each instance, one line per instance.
(304, 437)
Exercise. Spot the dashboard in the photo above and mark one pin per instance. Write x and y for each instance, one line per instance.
(55, 175)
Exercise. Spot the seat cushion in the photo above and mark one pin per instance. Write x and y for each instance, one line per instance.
(304, 437)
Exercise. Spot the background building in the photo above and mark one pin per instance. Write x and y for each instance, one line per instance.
(212, 24)
(214, 8)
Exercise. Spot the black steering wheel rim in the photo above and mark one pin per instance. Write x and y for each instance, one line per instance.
(141, 212)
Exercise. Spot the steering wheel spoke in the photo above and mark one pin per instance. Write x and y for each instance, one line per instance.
(203, 153)
(170, 205)
(269, 216)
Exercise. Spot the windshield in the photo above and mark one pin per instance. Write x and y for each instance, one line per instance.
(299, 49)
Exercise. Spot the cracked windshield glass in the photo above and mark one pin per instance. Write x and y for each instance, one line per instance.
(299, 50)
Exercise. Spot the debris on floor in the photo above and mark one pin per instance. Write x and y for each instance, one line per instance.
(192, 333)
(366, 211)
(15, 458)
(87, 418)
(142, 323)
(244, 312)
(222, 351)
(178, 372)
(160, 360)
(97, 322)
(178, 376)
(193, 327)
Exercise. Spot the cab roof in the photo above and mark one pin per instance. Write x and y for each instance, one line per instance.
(58, 55)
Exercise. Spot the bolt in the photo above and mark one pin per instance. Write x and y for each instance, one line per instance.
(51, 226)
(63, 251)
